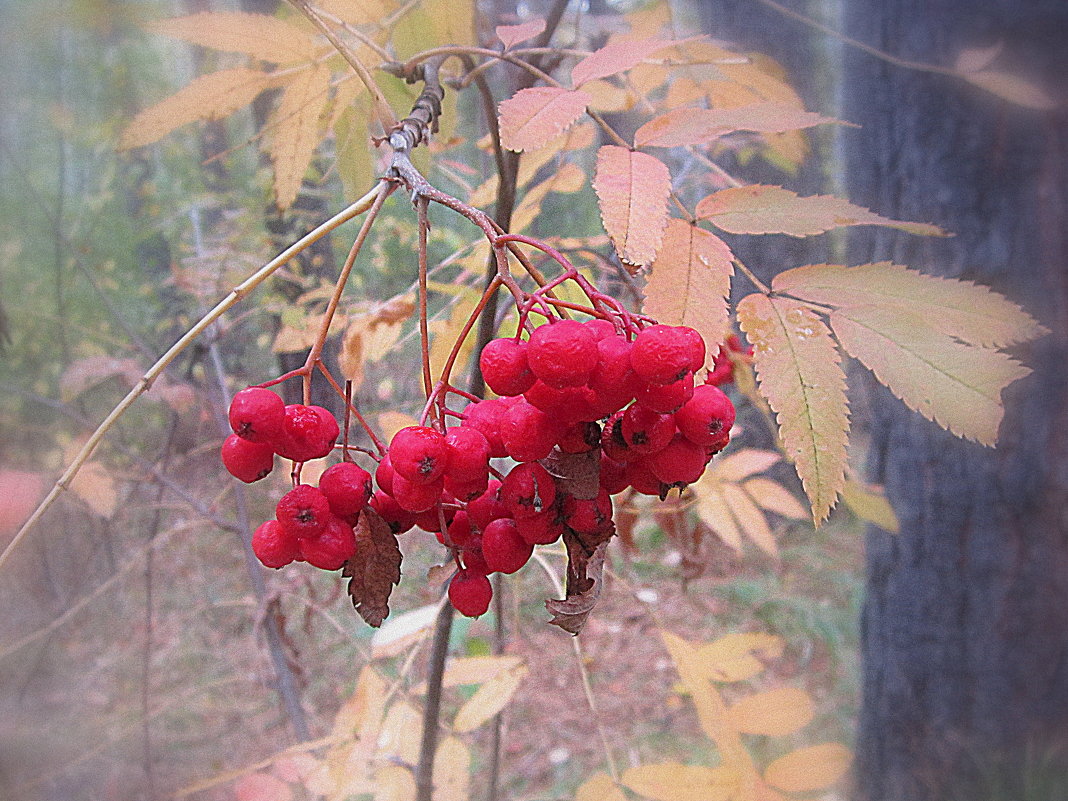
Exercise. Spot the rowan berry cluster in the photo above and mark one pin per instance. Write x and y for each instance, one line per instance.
(584, 412)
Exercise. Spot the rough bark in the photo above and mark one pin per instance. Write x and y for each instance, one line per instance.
(965, 626)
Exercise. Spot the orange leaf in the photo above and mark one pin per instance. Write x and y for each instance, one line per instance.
(632, 191)
(534, 117)
(599, 787)
(762, 209)
(511, 35)
(800, 375)
(692, 126)
(615, 57)
(257, 35)
(673, 781)
(691, 280)
(811, 768)
(773, 713)
(295, 131)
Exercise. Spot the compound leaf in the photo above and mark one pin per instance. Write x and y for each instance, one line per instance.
(257, 35)
(632, 191)
(533, 117)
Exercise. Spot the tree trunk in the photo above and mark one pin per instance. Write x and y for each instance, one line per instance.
(965, 626)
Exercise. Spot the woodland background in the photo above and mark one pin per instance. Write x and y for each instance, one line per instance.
(139, 654)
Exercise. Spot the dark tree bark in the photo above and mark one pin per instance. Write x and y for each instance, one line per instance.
(965, 626)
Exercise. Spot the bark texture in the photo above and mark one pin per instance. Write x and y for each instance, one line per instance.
(965, 626)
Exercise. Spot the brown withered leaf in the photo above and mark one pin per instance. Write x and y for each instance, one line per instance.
(577, 474)
(374, 568)
(584, 580)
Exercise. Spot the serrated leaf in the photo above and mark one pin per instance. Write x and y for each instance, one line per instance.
(374, 568)
(690, 280)
(511, 35)
(585, 570)
(775, 498)
(811, 768)
(615, 57)
(733, 657)
(208, 97)
(632, 192)
(452, 771)
(257, 35)
(674, 781)
(750, 518)
(961, 309)
(294, 127)
(956, 385)
(773, 713)
(799, 373)
(1012, 88)
(489, 699)
(535, 116)
(693, 126)
(599, 787)
(869, 503)
(761, 209)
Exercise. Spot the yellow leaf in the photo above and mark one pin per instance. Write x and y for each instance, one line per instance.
(95, 485)
(355, 156)
(389, 423)
(257, 35)
(773, 713)
(750, 518)
(209, 97)
(478, 669)
(608, 97)
(632, 192)
(489, 699)
(535, 116)
(443, 333)
(398, 740)
(432, 23)
(807, 769)
(799, 372)
(294, 129)
(599, 787)
(869, 503)
(961, 309)
(399, 632)
(731, 657)
(714, 512)
(511, 35)
(956, 385)
(673, 781)
(451, 775)
(394, 783)
(364, 705)
(743, 463)
(348, 765)
(358, 12)
(776, 498)
(690, 280)
(759, 209)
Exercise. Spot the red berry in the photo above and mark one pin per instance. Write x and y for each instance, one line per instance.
(722, 371)
(331, 549)
(527, 490)
(472, 557)
(697, 347)
(347, 488)
(416, 497)
(470, 593)
(528, 433)
(303, 511)
(273, 546)
(486, 417)
(643, 480)
(566, 404)
(666, 398)
(705, 416)
(246, 460)
(613, 444)
(460, 532)
(580, 438)
(614, 381)
(466, 490)
(544, 528)
(589, 516)
(600, 328)
(257, 414)
(430, 520)
(468, 454)
(664, 353)
(504, 550)
(487, 506)
(504, 366)
(563, 353)
(646, 431)
(384, 475)
(309, 432)
(679, 462)
(419, 454)
(613, 476)
(398, 519)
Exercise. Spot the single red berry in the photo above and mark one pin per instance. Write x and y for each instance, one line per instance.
(398, 519)
(303, 511)
(504, 366)
(487, 506)
(544, 528)
(580, 438)
(589, 516)
(565, 404)
(460, 532)
(600, 328)
(347, 488)
(430, 520)
(666, 398)
(563, 353)
(466, 490)
(470, 593)
(527, 490)
(468, 454)
(719, 443)
(246, 460)
(416, 497)
(329, 430)
(306, 434)
(486, 417)
(257, 414)
(504, 550)
(331, 549)
(384, 475)
(613, 444)
(419, 454)
(679, 462)
(705, 416)
(646, 431)
(696, 346)
(614, 381)
(273, 546)
(472, 558)
(644, 480)
(529, 433)
(663, 353)
(613, 476)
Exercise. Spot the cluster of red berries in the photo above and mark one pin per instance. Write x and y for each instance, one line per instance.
(627, 409)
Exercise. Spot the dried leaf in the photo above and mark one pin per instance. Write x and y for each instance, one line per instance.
(374, 569)
(489, 699)
(694, 126)
(776, 498)
(750, 519)
(262, 787)
(632, 191)
(584, 580)
(674, 781)
(1012, 88)
(800, 375)
(399, 633)
(257, 35)
(869, 503)
(811, 768)
(394, 783)
(956, 385)
(743, 463)
(615, 57)
(961, 309)
(533, 117)
(294, 129)
(511, 35)
(761, 209)
(773, 713)
(576, 474)
(347, 767)
(452, 771)
(732, 657)
(599, 787)
(208, 97)
(690, 280)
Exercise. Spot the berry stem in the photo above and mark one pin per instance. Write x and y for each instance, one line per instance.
(424, 329)
(351, 407)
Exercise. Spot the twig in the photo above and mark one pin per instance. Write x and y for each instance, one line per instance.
(424, 771)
